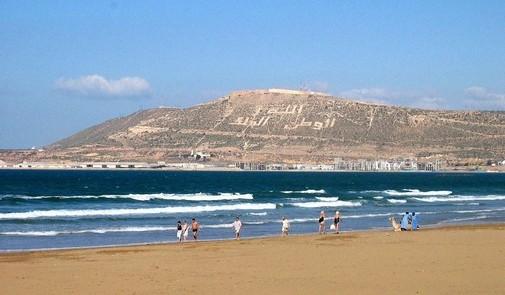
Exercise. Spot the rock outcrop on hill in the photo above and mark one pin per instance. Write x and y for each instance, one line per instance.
(289, 126)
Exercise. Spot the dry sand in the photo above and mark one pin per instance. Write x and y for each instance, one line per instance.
(452, 260)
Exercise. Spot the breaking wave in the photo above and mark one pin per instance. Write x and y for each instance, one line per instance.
(397, 201)
(136, 211)
(258, 213)
(372, 215)
(327, 204)
(416, 192)
(327, 199)
(461, 198)
(308, 191)
(109, 230)
(85, 231)
(224, 225)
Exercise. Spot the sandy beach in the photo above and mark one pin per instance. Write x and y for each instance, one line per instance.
(450, 260)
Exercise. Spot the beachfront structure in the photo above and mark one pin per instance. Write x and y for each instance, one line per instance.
(200, 155)
(88, 165)
(375, 165)
(343, 165)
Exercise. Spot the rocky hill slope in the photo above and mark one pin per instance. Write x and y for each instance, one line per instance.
(289, 126)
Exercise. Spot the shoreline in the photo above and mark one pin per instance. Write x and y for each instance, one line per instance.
(219, 169)
(174, 242)
(461, 259)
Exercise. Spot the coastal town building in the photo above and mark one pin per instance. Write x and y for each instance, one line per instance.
(348, 165)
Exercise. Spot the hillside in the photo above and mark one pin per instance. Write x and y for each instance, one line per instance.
(289, 126)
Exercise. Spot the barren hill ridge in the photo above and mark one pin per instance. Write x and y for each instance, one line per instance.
(276, 125)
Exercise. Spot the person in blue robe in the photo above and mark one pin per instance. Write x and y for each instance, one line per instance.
(405, 221)
(415, 221)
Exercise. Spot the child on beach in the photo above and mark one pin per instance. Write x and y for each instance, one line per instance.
(237, 225)
(322, 229)
(179, 231)
(195, 226)
(285, 226)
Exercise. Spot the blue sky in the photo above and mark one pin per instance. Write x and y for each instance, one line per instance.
(67, 65)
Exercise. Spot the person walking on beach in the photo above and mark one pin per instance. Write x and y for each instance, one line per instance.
(415, 221)
(322, 229)
(179, 231)
(185, 230)
(237, 226)
(336, 222)
(405, 221)
(285, 226)
(195, 227)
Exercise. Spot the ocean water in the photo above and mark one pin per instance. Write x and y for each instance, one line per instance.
(42, 209)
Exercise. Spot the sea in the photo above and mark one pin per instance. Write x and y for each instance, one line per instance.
(51, 209)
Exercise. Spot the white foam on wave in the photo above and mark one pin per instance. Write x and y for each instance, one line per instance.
(371, 215)
(378, 198)
(397, 201)
(303, 220)
(327, 199)
(149, 197)
(84, 231)
(258, 213)
(460, 198)
(467, 204)
(111, 230)
(135, 211)
(230, 225)
(308, 191)
(327, 204)
(32, 233)
(224, 225)
(416, 192)
(478, 210)
(465, 219)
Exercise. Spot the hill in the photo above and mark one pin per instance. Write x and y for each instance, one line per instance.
(289, 126)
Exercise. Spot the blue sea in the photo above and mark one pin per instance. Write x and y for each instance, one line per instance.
(43, 209)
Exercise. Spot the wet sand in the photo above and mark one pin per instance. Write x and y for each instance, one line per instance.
(450, 260)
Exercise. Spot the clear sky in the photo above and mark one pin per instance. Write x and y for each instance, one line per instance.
(67, 65)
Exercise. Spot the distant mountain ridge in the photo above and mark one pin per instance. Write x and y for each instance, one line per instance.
(276, 125)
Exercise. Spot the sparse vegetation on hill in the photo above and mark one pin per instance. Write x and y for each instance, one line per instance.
(289, 127)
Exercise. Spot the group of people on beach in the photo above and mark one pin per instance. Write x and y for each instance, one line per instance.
(409, 221)
(183, 227)
(183, 230)
(335, 226)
